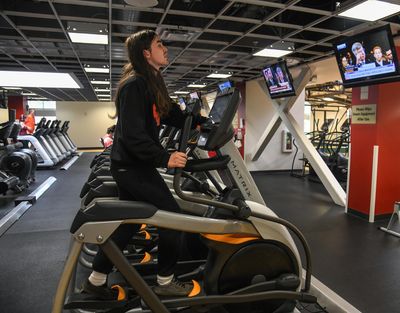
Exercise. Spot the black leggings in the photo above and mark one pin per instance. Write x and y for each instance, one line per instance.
(144, 184)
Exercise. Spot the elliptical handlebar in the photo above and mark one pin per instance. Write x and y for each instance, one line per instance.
(178, 172)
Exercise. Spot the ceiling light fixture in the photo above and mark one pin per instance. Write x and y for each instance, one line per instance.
(90, 33)
(173, 97)
(12, 88)
(28, 94)
(102, 90)
(194, 85)
(38, 79)
(142, 3)
(219, 75)
(371, 10)
(276, 50)
(181, 92)
(100, 82)
(103, 69)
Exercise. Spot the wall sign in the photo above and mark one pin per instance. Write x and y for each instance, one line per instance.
(363, 114)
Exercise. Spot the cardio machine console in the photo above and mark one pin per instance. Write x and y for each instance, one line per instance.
(218, 130)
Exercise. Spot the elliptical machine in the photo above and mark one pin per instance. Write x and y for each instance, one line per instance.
(14, 160)
(253, 264)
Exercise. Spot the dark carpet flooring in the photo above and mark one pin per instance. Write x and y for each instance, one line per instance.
(350, 255)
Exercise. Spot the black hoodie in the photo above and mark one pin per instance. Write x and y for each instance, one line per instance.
(136, 142)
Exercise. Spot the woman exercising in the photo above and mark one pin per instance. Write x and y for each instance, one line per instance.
(142, 104)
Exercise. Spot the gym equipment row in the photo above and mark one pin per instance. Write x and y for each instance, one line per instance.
(51, 142)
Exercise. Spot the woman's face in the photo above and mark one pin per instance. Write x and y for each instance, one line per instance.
(157, 55)
(344, 62)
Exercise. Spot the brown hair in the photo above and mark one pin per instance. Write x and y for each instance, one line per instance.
(138, 66)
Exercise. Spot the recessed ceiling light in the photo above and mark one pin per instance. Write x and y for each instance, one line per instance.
(328, 99)
(38, 79)
(173, 97)
(91, 33)
(97, 69)
(219, 75)
(12, 88)
(272, 53)
(100, 82)
(102, 90)
(104, 96)
(28, 94)
(197, 85)
(371, 10)
(181, 92)
(95, 39)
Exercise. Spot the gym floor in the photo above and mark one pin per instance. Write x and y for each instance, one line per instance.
(350, 256)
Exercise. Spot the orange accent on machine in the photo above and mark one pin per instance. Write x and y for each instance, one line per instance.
(196, 289)
(147, 236)
(234, 239)
(121, 292)
(147, 258)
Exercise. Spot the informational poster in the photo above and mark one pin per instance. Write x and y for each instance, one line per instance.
(363, 114)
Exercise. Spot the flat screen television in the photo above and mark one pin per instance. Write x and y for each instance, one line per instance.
(194, 95)
(225, 85)
(367, 58)
(278, 80)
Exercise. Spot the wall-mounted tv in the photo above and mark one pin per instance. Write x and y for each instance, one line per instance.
(278, 80)
(225, 85)
(368, 58)
(194, 95)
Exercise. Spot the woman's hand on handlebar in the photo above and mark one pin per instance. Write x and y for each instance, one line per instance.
(177, 159)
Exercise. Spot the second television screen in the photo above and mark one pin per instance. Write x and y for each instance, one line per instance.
(278, 80)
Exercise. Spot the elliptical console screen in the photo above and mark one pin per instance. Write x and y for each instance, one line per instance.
(219, 108)
(278, 80)
(367, 58)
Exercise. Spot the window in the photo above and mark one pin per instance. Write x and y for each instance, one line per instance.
(45, 109)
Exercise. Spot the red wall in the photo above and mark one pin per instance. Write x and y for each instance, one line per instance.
(385, 133)
(18, 103)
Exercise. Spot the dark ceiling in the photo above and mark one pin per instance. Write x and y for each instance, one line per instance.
(201, 35)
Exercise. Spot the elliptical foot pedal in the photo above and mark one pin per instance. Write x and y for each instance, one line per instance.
(85, 301)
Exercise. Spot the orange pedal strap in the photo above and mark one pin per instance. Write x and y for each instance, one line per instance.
(121, 292)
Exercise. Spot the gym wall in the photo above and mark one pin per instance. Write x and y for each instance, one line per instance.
(259, 112)
(89, 121)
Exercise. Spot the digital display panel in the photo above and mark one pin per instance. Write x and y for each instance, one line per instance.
(367, 58)
(278, 80)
